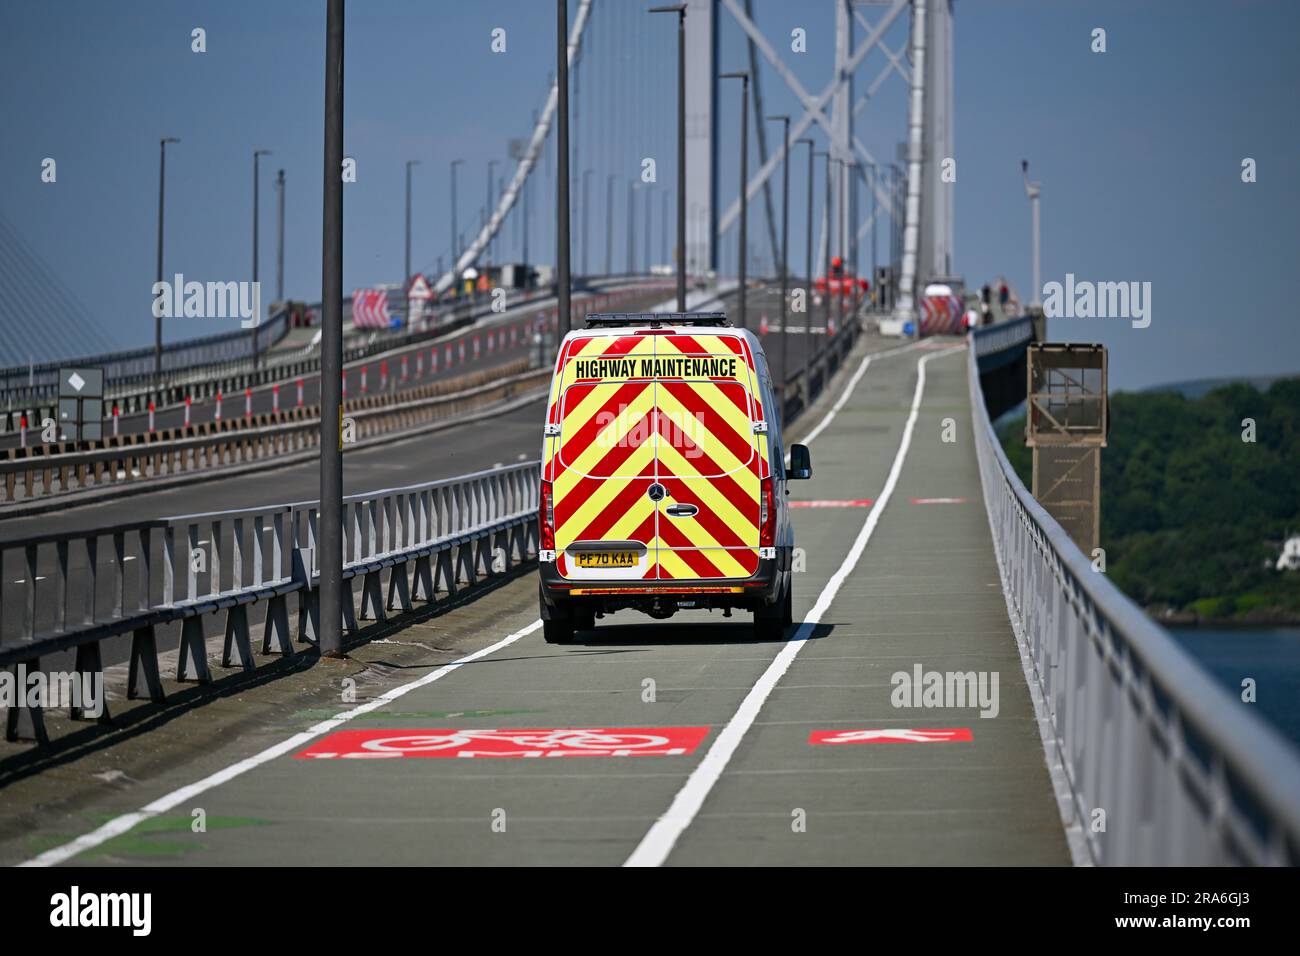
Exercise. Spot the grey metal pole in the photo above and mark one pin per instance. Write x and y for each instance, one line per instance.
(488, 207)
(257, 319)
(744, 184)
(162, 180)
(663, 225)
(785, 249)
(609, 225)
(808, 276)
(279, 238)
(406, 268)
(330, 559)
(873, 184)
(631, 227)
(455, 236)
(562, 167)
(680, 10)
(648, 218)
(1032, 190)
(586, 203)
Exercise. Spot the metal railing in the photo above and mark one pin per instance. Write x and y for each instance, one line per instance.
(72, 591)
(1164, 766)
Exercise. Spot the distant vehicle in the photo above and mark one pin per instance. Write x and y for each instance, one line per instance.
(664, 476)
(841, 281)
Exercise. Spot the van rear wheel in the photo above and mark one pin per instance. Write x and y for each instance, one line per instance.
(770, 620)
(557, 621)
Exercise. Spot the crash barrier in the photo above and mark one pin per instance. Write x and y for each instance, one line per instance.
(73, 591)
(215, 445)
(803, 385)
(1162, 765)
(135, 393)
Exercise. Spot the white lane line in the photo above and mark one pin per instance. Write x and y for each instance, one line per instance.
(660, 838)
(848, 389)
(119, 825)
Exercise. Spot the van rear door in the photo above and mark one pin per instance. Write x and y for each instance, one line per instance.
(600, 458)
(710, 457)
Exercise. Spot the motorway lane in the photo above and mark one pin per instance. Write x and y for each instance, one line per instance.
(925, 592)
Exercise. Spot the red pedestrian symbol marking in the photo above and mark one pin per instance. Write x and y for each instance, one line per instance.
(542, 742)
(892, 735)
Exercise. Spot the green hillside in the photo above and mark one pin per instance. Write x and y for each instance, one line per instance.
(1192, 516)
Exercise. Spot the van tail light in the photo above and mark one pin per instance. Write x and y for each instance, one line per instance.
(546, 519)
(766, 515)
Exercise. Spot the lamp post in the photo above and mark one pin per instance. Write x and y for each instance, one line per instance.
(586, 201)
(808, 276)
(162, 180)
(257, 319)
(492, 163)
(562, 167)
(330, 559)
(744, 186)
(784, 120)
(279, 238)
(1032, 190)
(455, 239)
(406, 273)
(609, 225)
(680, 10)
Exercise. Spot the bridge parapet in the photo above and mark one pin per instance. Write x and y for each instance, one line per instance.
(1155, 763)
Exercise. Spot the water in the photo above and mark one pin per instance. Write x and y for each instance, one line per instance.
(1270, 655)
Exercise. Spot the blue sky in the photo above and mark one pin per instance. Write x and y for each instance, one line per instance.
(1138, 149)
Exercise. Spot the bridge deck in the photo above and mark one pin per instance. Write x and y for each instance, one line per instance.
(924, 592)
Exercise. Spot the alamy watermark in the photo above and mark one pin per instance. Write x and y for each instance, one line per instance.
(1099, 300)
(83, 692)
(208, 300)
(951, 689)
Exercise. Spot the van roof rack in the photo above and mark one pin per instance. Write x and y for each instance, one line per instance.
(655, 319)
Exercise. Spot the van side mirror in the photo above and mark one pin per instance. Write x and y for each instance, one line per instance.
(800, 462)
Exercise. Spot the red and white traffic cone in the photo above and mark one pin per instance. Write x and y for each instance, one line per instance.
(762, 326)
(216, 415)
(22, 431)
(151, 418)
(275, 398)
(116, 413)
(383, 375)
(248, 403)
(187, 411)
(460, 351)
(476, 347)
(419, 365)
(830, 325)
(300, 393)
(404, 375)
(364, 369)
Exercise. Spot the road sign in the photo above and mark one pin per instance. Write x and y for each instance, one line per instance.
(540, 742)
(81, 403)
(419, 288)
(892, 735)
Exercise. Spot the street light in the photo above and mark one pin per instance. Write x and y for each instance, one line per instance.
(257, 319)
(808, 276)
(406, 274)
(680, 10)
(455, 248)
(744, 183)
(162, 176)
(279, 238)
(586, 201)
(1032, 190)
(562, 169)
(488, 207)
(784, 120)
(609, 224)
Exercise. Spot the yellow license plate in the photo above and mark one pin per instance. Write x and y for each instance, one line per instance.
(606, 559)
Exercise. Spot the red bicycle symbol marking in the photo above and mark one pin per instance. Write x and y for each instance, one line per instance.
(533, 742)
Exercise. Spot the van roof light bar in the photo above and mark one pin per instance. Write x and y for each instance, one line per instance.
(655, 319)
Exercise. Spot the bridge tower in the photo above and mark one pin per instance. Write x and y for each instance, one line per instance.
(701, 136)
